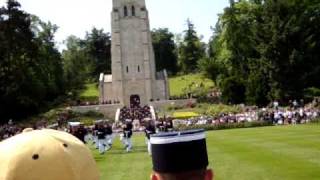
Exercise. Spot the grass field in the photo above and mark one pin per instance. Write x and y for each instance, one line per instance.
(271, 153)
(179, 83)
(90, 92)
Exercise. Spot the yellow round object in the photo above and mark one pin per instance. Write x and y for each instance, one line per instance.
(46, 155)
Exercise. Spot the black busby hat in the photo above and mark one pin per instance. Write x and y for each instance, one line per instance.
(177, 152)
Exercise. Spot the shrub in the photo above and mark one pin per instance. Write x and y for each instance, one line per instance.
(312, 92)
(233, 90)
(93, 114)
(209, 127)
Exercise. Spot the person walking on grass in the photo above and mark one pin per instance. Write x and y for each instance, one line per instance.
(127, 134)
(101, 135)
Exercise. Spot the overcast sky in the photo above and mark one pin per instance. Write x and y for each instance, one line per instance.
(75, 17)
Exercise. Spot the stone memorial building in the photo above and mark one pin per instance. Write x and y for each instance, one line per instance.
(134, 75)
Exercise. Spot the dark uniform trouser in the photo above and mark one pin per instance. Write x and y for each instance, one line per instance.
(127, 140)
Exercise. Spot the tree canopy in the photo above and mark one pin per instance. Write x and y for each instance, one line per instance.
(30, 64)
(266, 50)
(260, 51)
(191, 50)
(164, 50)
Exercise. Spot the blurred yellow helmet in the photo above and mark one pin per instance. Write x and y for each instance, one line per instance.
(46, 155)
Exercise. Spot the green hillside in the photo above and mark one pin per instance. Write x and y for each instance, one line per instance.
(178, 86)
(90, 92)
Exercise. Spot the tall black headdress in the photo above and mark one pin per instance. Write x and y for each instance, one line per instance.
(179, 151)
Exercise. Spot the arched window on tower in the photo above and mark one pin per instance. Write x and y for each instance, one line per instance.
(125, 11)
(133, 10)
(138, 68)
(127, 69)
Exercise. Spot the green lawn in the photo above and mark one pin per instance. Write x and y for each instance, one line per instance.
(179, 83)
(271, 153)
(90, 92)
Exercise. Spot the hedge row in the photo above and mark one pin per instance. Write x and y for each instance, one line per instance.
(209, 127)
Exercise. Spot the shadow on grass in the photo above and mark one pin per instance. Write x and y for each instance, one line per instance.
(135, 150)
(122, 151)
(100, 158)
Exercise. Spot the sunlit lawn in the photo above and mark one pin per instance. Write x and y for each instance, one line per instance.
(275, 153)
(90, 92)
(179, 83)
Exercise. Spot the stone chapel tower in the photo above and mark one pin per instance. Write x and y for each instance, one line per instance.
(133, 64)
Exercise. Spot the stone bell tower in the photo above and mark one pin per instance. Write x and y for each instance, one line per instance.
(133, 64)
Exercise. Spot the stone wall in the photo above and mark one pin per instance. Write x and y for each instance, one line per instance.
(108, 92)
(162, 90)
(109, 111)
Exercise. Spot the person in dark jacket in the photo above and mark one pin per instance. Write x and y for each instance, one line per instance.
(80, 133)
(127, 133)
(150, 129)
(101, 135)
(109, 136)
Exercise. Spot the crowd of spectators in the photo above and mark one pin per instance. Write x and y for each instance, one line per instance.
(94, 103)
(164, 125)
(110, 102)
(8, 130)
(295, 114)
(136, 112)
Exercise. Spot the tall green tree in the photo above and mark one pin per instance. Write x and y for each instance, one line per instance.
(29, 63)
(78, 65)
(213, 65)
(270, 48)
(164, 50)
(17, 61)
(49, 57)
(191, 50)
(292, 47)
(97, 43)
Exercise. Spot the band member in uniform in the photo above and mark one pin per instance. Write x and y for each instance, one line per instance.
(180, 156)
(101, 135)
(169, 125)
(109, 137)
(127, 133)
(95, 135)
(89, 136)
(81, 132)
(150, 129)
